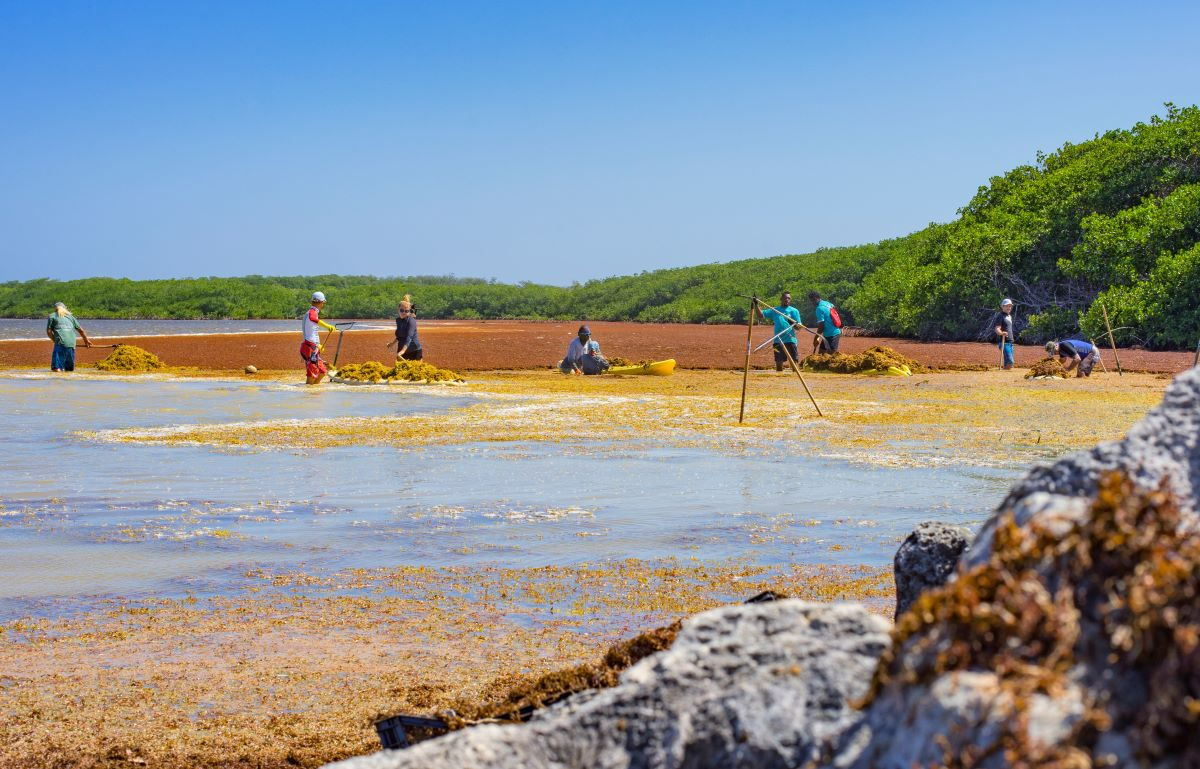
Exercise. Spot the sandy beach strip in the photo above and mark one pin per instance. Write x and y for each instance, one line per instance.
(503, 344)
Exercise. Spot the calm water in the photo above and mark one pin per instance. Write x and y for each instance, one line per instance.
(24, 328)
(82, 519)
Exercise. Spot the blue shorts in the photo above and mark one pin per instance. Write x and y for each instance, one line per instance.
(1008, 354)
(62, 358)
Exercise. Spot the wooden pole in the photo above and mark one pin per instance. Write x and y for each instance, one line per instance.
(796, 368)
(1111, 341)
(1102, 366)
(746, 372)
(1196, 362)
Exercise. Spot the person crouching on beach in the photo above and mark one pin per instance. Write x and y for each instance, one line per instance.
(408, 345)
(61, 327)
(310, 349)
(1074, 353)
(583, 355)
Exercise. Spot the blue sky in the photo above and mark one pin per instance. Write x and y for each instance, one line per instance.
(549, 142)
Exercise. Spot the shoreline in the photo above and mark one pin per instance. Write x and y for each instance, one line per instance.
(506, 345)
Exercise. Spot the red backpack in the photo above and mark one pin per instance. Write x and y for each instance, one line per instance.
(833, 316)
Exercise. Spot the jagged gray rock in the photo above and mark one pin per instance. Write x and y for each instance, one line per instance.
(926, 559)
(759, 685)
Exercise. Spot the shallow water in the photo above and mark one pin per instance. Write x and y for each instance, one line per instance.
(35, 328)
(81, 519)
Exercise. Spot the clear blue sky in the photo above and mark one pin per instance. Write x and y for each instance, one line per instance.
(549, 142)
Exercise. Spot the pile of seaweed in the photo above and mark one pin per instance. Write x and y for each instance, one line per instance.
(127, 357)
(873, 359)
(403, 371)
(1047, 367)
(1117, 595)
(530, 695)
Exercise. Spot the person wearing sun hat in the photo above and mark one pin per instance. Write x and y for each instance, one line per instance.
(315, 367)
(61, 328)
(1002, 326)
(583, 355)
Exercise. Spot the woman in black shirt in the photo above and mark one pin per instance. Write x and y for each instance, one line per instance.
(408, 346)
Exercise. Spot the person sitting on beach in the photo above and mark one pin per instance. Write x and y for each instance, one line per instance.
(583, 355)
(61, 327)
(1075, 352)
(310, 349)
(829, 333)
(786, 318)
(408, 346)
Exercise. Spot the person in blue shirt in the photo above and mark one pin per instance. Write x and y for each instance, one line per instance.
(583, 355)
(786, 318)
(1074, 353)
(828, 334)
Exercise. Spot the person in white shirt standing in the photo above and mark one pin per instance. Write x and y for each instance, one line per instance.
(583, 355)
(310, 349)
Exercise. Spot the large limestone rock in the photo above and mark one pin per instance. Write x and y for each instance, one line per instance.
(926, 559)
(758, 685)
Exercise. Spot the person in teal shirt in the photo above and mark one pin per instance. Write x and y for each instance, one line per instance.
(786, 318)
(61, 327)
(830, 335)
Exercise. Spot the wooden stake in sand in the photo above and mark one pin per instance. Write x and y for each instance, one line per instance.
(1111, 341)
(1102, 366)
(749, 341)
(795, 368)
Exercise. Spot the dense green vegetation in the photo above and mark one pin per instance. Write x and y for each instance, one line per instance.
(1115, 218)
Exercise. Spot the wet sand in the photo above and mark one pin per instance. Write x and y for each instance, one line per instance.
(290, 670)
(502, 344)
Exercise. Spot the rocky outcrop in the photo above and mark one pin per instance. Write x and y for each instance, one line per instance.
(756, 685)
(1069, 636)
(926, 559)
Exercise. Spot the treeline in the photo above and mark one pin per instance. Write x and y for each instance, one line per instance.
(1115, 220)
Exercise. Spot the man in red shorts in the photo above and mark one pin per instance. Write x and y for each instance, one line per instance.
(310, 348)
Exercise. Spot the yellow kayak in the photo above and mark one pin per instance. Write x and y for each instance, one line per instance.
(890, 371)
(658, 368)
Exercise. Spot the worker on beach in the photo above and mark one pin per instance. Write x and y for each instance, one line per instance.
(310, 349)
(583, 355)
(1075, 354)
(785, 317)
(408, 345)
(62, 327)
(828, 324)
(1002, 326)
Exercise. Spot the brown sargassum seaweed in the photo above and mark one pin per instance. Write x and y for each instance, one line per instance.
(872, 359)
(1121, 591)
(1047, 367)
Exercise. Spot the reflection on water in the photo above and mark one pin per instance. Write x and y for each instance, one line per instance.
(79, 518)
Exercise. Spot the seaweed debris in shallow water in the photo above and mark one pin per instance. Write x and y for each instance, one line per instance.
(128, 357)
(873, 359)
(1116, 596)
(1047, 367)
(404, 371)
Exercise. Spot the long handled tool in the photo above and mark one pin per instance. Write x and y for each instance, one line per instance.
(746, 372)
(1102, 366)
(341, 333)
(1196, 362)
(1108, 325)
(796, 368)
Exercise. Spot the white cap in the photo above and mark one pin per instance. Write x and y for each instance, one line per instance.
(318, 296)
(60, 304)
(1006, 301)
